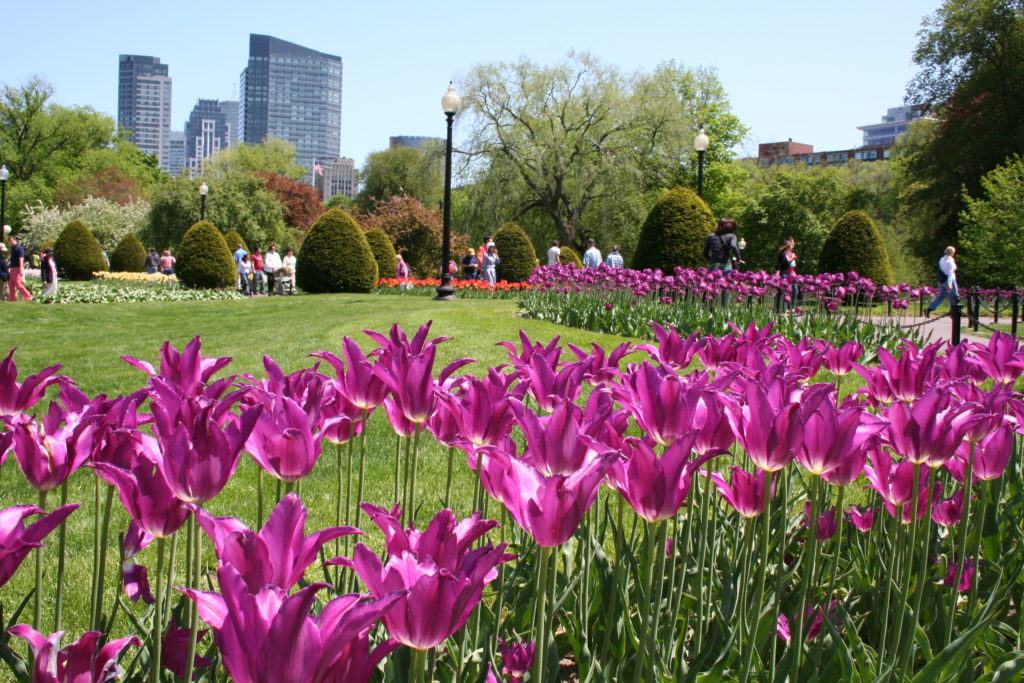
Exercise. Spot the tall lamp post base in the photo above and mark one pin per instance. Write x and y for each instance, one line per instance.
(446, 292)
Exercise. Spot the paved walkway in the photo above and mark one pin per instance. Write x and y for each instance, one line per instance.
(936, 329)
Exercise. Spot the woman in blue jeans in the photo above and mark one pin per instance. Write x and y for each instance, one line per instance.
(946, 276)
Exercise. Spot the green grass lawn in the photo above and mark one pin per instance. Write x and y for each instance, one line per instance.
(89, 339)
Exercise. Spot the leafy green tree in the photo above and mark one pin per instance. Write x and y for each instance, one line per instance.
(204, 260)
(273, 155)
(121, 173)
(854, 244)
(971, 59)
(109, 221)
(674, 232)
(992, 241)
(238, 201)
(77, 252)
(335, 257)
(584, 145)
(340, 201)
(129, 256)
(402, 171)
(414, 229)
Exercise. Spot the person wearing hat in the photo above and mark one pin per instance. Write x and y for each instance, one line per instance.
(489, 267)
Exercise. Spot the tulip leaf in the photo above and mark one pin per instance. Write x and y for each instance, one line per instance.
(1012, 669)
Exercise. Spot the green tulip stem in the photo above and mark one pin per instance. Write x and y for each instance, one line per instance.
(259, 496)
(759, 593)
(922, 574)
(418, 666)
(655, 611)
(197, 570)
(156, 632)
(540, 618)
(398, 466)
(448, 482)
(362, 467)
(907, 573)
(412, 480)
(104, 536)
(37, 614)
(979, 526)
(962, 550)
(810, 555)
(97, 506)
(58, 610)
(705, 501)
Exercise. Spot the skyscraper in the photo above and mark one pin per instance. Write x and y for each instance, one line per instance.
(293, 93)
(176, 155)
(206, 133)
(144, 104)
(230, 109)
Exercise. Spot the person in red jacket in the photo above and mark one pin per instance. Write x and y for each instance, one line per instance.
(480, 256)
(257, 271)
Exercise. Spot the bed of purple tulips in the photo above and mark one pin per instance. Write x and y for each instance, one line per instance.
(739, 507)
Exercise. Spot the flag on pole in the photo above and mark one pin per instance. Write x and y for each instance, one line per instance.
(318, 168)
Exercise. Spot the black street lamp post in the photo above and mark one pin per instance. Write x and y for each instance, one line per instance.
(203, 190)
(700, 143)
(4, 175)
(450, 103)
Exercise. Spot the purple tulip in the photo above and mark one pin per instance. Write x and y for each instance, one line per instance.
(174, 650)
(863, 520)
(745, 491)
(145, 494)
(516, 659)
(79, 662)
(439, 578)
(839, 361)
(992, 454)
(549, 386)
(185, 370)
(1001, 358)
(276, 555)
(135, 578)
(671, 349)
(48, 456)
(928, 431)
(948, 511)
(767, 424)
(285, 441)
(521, 357)
(598, 367)
(548, 507)
(358, 382)
(828, 522)
(17, 540)
(966, 576)
(16, 399)
(270, 637)
(894, 482)
(656, 487)
(555, 444)
(835, 439)
(663, 404)
(900, 379)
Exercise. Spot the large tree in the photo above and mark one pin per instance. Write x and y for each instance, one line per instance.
(971, 59)
(561, 140)
(273, 155)
(992, 237)
(402, 171)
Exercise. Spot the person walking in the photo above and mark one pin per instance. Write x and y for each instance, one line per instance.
(271, 264)
(614, 259)
(244, 272)
(481, 251)
(5, 274)
(152, 261)
(592, 256)
(287, 272)
(785, 265)
(167, 263)
(720, 247)
(491, 261)
(16, 279)
(469, 265)
(257, 271)
(946, 276)
(554, 253)
(401, 268)
(48, 273)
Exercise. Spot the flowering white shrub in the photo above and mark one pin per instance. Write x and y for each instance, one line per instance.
(108, 221)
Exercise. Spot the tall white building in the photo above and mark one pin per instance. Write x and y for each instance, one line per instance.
(340, 177)
(144, 104)
(895, 123)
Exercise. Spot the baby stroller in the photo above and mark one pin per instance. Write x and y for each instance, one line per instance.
(284, 281)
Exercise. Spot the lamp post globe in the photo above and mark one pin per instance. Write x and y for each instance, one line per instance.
(450, 103)
(700, 143)
(204, 189)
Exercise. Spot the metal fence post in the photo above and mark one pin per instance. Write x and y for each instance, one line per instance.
(1014, 311)
(954, 313)
(995, 308)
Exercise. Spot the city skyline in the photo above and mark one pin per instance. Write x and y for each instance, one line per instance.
(809, 71)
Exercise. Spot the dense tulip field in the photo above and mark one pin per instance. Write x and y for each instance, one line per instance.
(740, 507)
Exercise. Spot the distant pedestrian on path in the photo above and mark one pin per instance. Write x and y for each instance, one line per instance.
(16, 279)
(491, 261)
(720, 247)
(152, 261)
(592, 256)
(271, 264)
(401, 268)
(614, 259)
(48, 272)
(946, 276)
(167, 263)
(554, 253)
(469, 264)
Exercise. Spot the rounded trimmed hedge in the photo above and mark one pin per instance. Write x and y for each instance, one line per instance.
(78, 252)
(518, 258)
(129, 256)
(204, 260)
(569, 255)
(335, 257)
(233, 239)
(855, 244)
(383, 252)
(674, 232)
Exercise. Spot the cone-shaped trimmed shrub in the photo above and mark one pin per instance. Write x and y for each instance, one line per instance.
(674, 232)
(569, 255)
(335, 256)
(518, 259)
(129, 256)
(233, 239)
(855, 244)
(383, 252)
(78, 253)
(204, 260)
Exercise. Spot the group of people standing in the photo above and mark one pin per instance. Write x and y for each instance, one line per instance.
(260, 273)
(163, 263)
(591, 257)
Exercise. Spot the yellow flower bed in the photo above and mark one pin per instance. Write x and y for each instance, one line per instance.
(151, 278)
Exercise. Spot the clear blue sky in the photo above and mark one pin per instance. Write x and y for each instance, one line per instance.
(811, 70)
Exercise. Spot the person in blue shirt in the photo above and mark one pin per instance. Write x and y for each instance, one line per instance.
(614, 259)
(592, 257)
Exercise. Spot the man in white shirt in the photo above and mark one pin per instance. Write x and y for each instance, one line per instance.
(946, 276)
(271, 264)
(592, 257)
(554, 253)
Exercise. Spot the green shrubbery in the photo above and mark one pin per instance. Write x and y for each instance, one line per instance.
(383, 252)
(233, 239)
(204, 259)
(78, 253)
(335, 256)
(569, 255)
(855, 244)
(129, 256)
(674, 232)
(518, 259)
